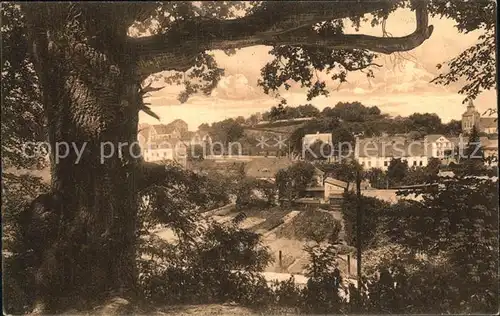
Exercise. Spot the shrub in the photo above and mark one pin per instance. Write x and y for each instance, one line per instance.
(312, 225)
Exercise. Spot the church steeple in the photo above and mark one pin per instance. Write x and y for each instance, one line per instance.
(470, 106)
(470, 118)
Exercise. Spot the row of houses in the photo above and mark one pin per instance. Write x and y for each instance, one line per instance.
(171, 142)
(378, 152)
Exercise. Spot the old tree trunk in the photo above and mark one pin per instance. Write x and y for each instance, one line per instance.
(91, 99)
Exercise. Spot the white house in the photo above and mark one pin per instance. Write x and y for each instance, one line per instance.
(310, 139)
(440, 146)
(174, 150)
(378, 152)
(163, 142)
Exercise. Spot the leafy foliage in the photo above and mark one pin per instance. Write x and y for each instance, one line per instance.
(397, 171)
(203, 261)
(292, 182)
(22, 126)
(254, 192)
(99, 33)
(22, 112)
(457, 221)
(377, 177)
(374, 211)
(312, 224)
(344, 170)
(476, 65)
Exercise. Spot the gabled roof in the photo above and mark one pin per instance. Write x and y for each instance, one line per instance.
(488, 122)
(318, 171)
(489, 143)
(431, 138)
(311, 138)
(336, 182)
(161, 129)
(144, 131)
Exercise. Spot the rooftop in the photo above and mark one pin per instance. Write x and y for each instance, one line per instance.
(488, 122)
(391, 147)
(431, 138)
(336, 182)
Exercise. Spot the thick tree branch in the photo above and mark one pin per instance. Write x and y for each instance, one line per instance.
(169, 52)
(177, 49)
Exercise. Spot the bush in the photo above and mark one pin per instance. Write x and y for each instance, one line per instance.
(375, 213)
(214, 264)
(312, 225)
(322, 292)
(24, 226)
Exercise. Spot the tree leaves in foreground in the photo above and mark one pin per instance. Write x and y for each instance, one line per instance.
(477, 64)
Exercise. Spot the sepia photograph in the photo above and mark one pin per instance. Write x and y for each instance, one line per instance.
(250, 158)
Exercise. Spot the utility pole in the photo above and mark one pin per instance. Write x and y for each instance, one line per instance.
(359, 220)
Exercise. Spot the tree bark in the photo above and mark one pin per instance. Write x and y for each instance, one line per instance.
(91, 99)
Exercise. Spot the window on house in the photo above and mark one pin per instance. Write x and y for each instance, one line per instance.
(420, 163)
(415, 163)
(369, 163)
(386, 163)
(362, 163)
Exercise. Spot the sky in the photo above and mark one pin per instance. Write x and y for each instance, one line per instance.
(399, 88)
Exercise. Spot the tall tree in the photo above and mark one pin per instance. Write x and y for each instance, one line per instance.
(472, 156)
(427, 123)
(397, 171)
(91, 73)
(292, 181)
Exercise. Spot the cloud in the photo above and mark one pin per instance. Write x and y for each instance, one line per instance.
(359, 91)
(236, 87)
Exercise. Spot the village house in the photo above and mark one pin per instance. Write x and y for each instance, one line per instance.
(198, 138)
(161, 142)
(440, 146)
(158, 132)
(158, 151)
(378, 152)
(326, 138)
(310, 139)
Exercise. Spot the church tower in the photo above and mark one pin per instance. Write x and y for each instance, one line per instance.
(470, 118)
